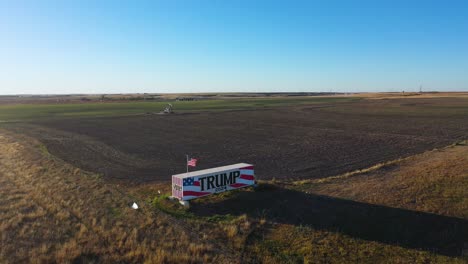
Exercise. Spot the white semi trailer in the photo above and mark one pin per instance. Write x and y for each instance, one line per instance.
(191, 185)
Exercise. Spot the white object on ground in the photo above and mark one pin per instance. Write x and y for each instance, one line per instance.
(135, 206)
(186, 204)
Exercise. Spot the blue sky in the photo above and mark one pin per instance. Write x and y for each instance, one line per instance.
(232, 46)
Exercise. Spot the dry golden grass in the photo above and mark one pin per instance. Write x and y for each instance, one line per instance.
(292, 244)
(434, 182)
(376, 167)
(52, 212)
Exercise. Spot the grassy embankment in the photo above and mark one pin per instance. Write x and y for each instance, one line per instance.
(408, 211)
(382, 215)
(53, 212)
(92, 220)
(435, 182)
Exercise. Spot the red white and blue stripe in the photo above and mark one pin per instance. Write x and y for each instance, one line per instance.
(191, 185)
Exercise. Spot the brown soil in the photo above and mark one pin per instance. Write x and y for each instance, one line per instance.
(287, 143)
(413, 211)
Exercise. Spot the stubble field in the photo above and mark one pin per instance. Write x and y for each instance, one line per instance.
(343, 180)
(288, 143)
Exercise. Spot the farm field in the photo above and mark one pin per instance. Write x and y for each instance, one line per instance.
(342, 180)
(293, 141)
(233, 132)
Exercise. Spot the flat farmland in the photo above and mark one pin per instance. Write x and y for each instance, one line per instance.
(343, 180)
(309, 139)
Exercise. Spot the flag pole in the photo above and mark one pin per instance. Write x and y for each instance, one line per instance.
(186, 161)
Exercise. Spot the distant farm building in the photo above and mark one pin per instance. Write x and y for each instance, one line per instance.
(185, 99)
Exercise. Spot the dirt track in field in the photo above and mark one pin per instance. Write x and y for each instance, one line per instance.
(288, 143)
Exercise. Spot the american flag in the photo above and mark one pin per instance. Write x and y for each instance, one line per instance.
(192, 162)
(190, 187)
(191, 182)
